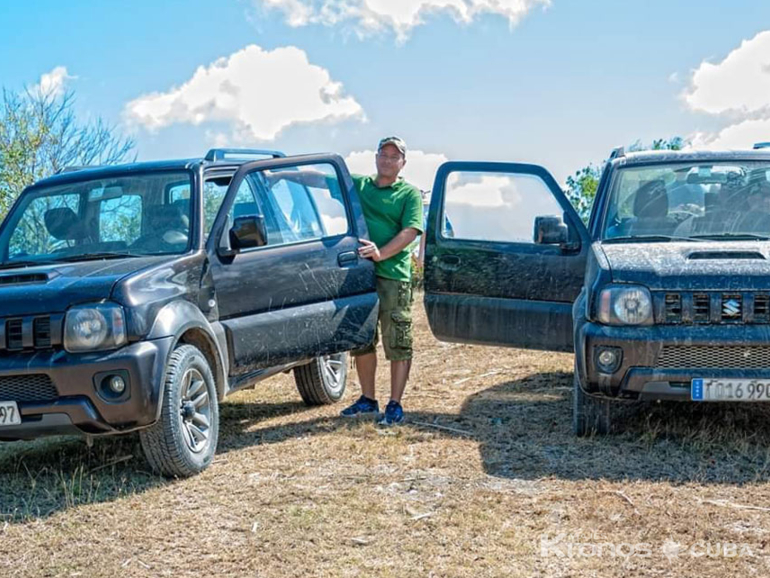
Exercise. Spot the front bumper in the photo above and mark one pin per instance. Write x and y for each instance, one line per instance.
(649, 370)
(76, 406)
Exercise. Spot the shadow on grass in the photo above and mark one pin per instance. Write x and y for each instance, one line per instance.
(523, 429)
(41, 477)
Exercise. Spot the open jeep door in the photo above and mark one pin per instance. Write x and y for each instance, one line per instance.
(505, 256)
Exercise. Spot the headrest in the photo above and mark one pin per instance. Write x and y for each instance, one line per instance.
(166, 217)
(651, 201)
(63, 224)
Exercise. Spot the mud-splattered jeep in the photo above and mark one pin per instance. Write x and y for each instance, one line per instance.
(664, 295)
(136, 297)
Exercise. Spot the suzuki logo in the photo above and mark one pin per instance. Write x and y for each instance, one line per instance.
(731, 308)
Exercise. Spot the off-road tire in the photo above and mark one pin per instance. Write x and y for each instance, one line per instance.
(167, 444)
(323, 380)
(590, 415)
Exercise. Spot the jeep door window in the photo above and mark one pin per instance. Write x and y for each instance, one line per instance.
(689, 201)
(302, 203)
(97, 218)
(495, 206)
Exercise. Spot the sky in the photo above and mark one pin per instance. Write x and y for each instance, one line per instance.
(558, 83)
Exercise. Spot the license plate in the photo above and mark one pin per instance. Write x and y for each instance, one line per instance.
(9, 413)
(730, 390)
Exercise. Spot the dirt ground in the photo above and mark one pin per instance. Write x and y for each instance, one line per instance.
(486, 479)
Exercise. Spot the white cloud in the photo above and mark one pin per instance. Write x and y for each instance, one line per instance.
(739, 84)
(738, 136)
(420, 169)
(366, 17)
(52, 83)
(738, 90)
(257, 92)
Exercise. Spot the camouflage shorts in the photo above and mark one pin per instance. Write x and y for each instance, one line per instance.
(395, 320)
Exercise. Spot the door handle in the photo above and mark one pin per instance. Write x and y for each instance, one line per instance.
(347, 258)
(449, 262)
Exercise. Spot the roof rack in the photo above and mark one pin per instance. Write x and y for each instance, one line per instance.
(761, 145)
(220, 154)
(617, 152)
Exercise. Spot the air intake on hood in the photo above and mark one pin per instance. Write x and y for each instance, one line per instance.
(19, 279)
(728, 255)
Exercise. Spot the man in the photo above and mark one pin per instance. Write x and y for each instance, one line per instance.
(393, 212)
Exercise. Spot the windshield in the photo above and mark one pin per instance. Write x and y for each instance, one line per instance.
(128, 215)
(690, 201)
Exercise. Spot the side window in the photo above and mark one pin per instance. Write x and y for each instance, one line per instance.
(120, 219)
(214, 190)
(495, 206)
(179, 192)
(302, 203)
(329, 201)
(294, 212)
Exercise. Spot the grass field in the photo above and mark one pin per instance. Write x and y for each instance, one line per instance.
(486, 479)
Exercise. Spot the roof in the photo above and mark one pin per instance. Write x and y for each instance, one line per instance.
(665, 156)
(215, 158)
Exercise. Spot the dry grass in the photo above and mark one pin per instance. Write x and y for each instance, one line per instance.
(490, 470)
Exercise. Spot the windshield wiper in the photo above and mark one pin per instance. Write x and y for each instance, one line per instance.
(95, 256)
(734, 236)
(648, 239)
(25, 263)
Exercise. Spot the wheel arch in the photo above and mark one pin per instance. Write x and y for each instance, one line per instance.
(187, 324)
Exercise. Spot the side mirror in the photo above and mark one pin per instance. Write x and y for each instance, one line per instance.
(247, 232)
(550, 230)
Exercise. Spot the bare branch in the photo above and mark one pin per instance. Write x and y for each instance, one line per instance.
(40, 135)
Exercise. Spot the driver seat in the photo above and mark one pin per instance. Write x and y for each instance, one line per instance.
(167, 223)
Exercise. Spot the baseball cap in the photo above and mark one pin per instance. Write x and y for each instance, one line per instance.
(395, 141)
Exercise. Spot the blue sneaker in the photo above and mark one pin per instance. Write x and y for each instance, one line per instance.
(394, 414)
(364, 406)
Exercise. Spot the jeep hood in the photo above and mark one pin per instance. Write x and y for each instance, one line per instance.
(53, 288)
(717, 265)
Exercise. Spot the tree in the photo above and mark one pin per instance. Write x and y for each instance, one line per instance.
(40, 135)
(582, 186)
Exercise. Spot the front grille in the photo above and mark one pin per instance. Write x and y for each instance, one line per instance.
(673, 308)
(714, 356)
(41, 332)
(677, 307)
(14, 334)
(32, 332)
(761, 309)
(21, 388)
(701, 304)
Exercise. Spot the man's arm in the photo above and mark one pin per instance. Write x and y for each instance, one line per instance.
(315, 179)
(397, 244)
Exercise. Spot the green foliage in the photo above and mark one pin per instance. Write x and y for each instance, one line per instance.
(581, 189)
(582, 186)
(40, 135)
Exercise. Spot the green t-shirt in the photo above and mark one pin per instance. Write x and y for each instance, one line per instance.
(387, 211)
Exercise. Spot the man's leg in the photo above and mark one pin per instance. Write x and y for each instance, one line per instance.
(399, 374)
(366, 367)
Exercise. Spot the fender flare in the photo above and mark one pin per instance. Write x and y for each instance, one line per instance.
(176, 319)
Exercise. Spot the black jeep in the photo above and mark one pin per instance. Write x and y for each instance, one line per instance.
(664, 295)
(136, 297)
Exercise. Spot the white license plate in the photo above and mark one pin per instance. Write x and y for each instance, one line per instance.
(9, 413)
(730, 389)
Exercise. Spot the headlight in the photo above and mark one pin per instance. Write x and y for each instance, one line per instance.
(94, 327)
(625, 306)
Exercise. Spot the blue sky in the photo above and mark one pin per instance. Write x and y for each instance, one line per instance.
(557, 82)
